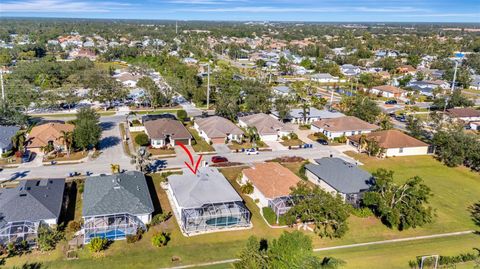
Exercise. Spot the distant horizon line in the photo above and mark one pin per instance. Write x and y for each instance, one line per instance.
(256, 21)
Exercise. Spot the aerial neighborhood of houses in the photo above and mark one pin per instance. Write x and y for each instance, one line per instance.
(192, 138)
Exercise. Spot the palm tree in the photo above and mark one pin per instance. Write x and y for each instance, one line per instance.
(67, 138)
(18, 140)
(305, 110)
(115, 168)
(252, 134)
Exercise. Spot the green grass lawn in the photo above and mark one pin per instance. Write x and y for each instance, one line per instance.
(292, 142)
(246, 145)
(199, 145)
(454, 190)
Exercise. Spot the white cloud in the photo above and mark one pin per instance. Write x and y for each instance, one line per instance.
(41, 6)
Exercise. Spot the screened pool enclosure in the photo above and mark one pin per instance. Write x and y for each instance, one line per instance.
(19, 231)
(281, 205)
(111, 227)
(217, 216)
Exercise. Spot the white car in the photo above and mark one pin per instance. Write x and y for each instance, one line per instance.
(251, 152)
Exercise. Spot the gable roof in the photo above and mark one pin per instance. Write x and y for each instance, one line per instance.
(389, 88)
(265, 124)
(343, 124)
(32, 200)
(282, 89)
(463, 112)
(297, 113)
(271, 179)
(343, 176)
(6, 134)
(119, 193)
(391, 139)
(217, 127)
(208, 186)
(160, 128)
(52, 131)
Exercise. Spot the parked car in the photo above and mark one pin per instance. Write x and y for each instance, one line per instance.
(401, 118)
(391, 102)
(219, 159)
(322, 141)
(251, 152)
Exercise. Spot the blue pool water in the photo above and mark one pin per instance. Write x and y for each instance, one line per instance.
(109, 234)
(223, 221)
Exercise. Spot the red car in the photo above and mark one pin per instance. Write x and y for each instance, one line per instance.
(219, 159)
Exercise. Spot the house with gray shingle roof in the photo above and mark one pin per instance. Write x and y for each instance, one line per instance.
(312, 114)
(23, 209)
(268, 128)
(6, 134)
(338, 176)
(115, 206)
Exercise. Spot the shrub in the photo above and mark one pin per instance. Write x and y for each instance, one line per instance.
(73, 226)
(271, 218)
(98, 244)
(247, 188)
(135, 237)
(160, 239)
(142, 140)
(342, 139)
(362, 212)
(293, 136)
(47, 238)
(7, 154)
(321, 136)
(159, 218)
(182, 115)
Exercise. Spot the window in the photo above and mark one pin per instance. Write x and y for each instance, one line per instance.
(400, 150)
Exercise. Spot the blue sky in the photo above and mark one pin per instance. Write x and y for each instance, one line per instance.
(259, 10)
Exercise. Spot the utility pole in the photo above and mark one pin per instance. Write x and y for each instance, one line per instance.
(176, 28)
(452, 88)
(208, 86)
(3, 87)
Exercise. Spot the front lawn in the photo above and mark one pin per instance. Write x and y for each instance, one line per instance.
(292, 142)
(246, 145)
(198, 144)
(74, 156)
(158, 152)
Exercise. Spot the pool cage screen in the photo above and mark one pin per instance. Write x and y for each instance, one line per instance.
(281, 205)
(217, 216)
(111, 227)
(19, 231)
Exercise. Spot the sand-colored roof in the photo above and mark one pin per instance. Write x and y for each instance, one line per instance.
(389, 88)
(343, 124)
(159, 129)
(265, 125)
(218, 127)
(391, 139)
(464, 112)
(41, 134)
(271, 179)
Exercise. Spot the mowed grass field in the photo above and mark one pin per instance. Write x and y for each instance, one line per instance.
(454, 190)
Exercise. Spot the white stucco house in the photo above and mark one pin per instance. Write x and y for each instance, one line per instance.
(267, 127)
(342, 126)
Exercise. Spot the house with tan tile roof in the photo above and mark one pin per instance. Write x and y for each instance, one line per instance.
(167, 132)
(388, 91)
(394, 142)
(268, 128)
(465, 114)
(343, 126)
(48, 133)
(272, 184)
(218, 130)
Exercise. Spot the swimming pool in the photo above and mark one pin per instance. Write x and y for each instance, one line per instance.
(223, 221)
(112, 234)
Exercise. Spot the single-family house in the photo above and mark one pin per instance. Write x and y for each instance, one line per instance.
(388, 91)
(282, 90)
(128, 79)
(297, 116)
(115, 206)
(167, 132)
(338, 176)
(27, 207)
(218, 130)
(342, 126)
(350, 70)
(465, 114)
(6, 135)
(206, 202)
(268, 128)
(50, 133)
(324, 78)
(406, 69)
(393, 142)
(475, 84)
(272, 184)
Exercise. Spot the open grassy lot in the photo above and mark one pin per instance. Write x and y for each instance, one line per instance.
(454, 188)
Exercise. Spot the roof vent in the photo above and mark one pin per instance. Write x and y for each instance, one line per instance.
(23, 195)
(116, 187)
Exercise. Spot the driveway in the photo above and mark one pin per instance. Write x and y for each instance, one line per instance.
(275, 145)
(221, 148)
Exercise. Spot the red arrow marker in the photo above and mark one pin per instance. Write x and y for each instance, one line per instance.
(192, 166)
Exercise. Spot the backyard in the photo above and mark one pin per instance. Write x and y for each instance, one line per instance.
(454, 190)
